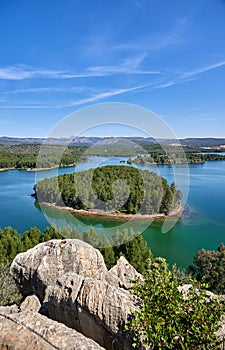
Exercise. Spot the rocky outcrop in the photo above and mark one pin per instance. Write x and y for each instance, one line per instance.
(40, 266)
(122, 274)
(92, 307)
(75, 288)
(30, 330)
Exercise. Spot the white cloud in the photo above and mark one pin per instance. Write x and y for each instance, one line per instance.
(26, 107)
(127, 66)
(83, 101)
(20, 72)
(204, 69)
(45, 89)
(176, 36)
(103, 95)
(189, 76)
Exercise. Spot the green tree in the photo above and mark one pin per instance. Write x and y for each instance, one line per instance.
(210, 265)
(90, 236)
(9, 293)
(107, 252)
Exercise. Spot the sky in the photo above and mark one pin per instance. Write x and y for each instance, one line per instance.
(57, 57)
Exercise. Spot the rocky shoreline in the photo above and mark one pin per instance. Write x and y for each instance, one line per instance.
(117, 215)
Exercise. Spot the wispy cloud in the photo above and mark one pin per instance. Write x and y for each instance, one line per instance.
(103, 95)
(188, 76)
(204, 69)
(20, 72)
(26, 107)
(94, 98)
(45, 89)
(127, 66)
(158, 40)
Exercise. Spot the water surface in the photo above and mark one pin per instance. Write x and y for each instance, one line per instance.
(205, 227)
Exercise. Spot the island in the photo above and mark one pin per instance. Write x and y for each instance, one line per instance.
(112, 190)
(175, 158)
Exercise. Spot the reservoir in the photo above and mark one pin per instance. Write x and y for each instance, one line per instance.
(203, 227)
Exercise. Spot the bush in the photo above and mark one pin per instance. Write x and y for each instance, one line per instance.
(169, 320)
(210, 265)
(9, 293)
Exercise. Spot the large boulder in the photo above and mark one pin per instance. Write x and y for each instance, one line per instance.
(40, 266)
(122, 274)
(74, 286)
(32, 331)
(92, 307)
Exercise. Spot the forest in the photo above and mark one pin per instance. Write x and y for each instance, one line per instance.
(111, 188)
(175, 158)
(26, 156)
(33, 156)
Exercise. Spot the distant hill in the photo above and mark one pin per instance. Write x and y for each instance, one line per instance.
(88, 141)
(203, 142)
(73, 141)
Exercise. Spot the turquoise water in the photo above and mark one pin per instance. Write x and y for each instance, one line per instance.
(204, 227)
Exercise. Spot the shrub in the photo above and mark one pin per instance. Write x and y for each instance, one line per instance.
(169, 320)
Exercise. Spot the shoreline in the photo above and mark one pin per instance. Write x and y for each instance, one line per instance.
(37, 169)
(118, 216)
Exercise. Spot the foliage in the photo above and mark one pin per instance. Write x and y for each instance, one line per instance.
(11, 243)
(8, 292)
(210, 264)
(129, 244)
(169, 320)
(110, 188)
(25, 156)
(125, 243)
(175, 156)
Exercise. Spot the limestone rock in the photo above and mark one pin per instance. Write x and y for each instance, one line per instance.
(32, 331)
(122, 273)
(9, 309)
(40, 266)
(92, 307)
(31, 303)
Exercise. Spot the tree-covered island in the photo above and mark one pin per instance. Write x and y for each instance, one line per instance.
(111, 189)
(175, 158)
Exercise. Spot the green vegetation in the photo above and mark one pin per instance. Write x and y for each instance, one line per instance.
(168, 319)
(122, 188)
(210, 265)
(175, 158)
(128, 244)
(28, 156)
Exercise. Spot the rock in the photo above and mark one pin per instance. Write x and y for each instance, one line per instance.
(31, 303)
(74, 286)
(184, 289)
(40, 266)
(32, 331)
(221, 331)
(122, 273)
(92, 307)
(9, 309)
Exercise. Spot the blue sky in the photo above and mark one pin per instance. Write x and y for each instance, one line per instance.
(59, 56)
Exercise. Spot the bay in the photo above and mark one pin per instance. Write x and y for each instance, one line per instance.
(203, 228)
